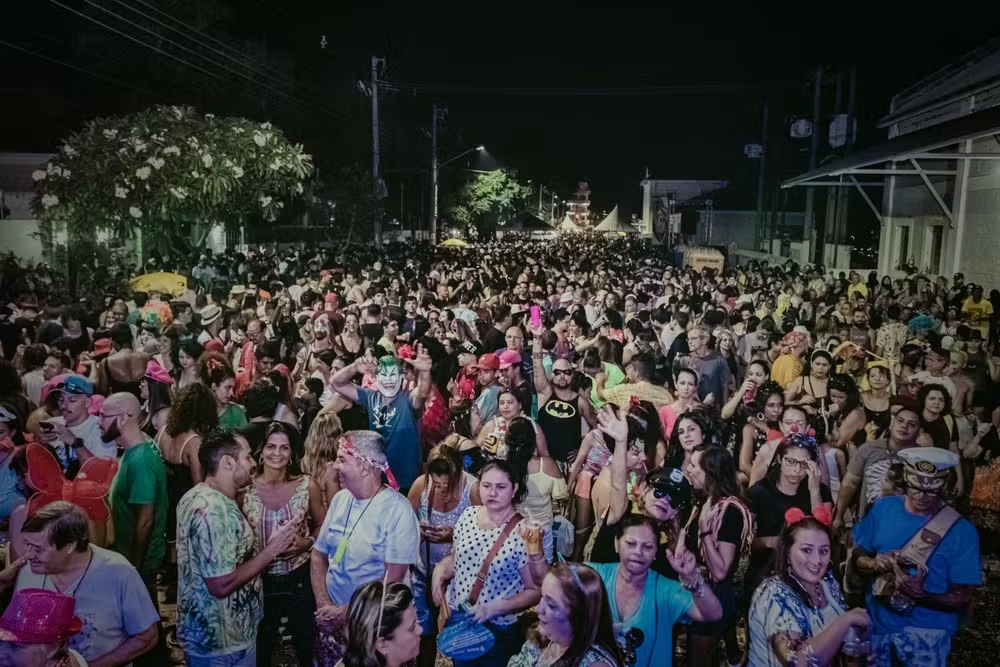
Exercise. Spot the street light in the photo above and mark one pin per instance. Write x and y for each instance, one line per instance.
(435, 167)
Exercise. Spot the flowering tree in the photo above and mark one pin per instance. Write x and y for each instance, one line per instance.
(170, 172)
(489, 200)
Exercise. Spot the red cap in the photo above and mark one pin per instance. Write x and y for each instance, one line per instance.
(489, 362)
(102, 346)
(37, 616)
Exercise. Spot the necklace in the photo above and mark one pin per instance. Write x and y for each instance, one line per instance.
(338, 555)
(76, 585)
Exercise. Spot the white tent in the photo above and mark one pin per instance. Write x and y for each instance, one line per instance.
(612, 224)
(567, 225)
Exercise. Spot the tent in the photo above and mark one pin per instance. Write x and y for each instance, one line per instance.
(613, 225)
(453, 243)
(526, 222)
(567, 225)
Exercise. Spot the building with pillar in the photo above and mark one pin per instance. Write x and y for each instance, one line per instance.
(934, 187)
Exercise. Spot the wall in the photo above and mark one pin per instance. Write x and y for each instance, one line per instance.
(729, 227)
(980, 251)
(21, 238)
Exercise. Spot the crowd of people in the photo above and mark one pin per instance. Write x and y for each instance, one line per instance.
(568, 453)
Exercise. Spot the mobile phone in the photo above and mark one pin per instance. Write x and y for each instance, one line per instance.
(536, 317)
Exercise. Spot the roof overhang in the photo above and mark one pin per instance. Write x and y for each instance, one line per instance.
(908, 148)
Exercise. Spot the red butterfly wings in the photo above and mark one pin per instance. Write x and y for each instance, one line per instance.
(89, 490)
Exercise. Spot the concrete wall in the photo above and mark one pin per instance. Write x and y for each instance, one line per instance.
(979, 255)
(21, 238)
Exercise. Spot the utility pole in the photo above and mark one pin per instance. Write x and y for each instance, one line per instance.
(434, 173)
(376, 171)
(760, 174)
(813, 157)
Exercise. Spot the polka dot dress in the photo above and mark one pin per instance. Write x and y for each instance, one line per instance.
(503, 580)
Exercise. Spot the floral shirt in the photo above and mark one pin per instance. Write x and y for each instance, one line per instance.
(776, 608)
(213, 538)
(532, 655)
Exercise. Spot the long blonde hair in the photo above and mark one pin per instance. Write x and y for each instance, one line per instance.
(321, 442)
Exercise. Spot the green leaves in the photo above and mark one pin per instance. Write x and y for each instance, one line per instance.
(167, 169)
(491, 199)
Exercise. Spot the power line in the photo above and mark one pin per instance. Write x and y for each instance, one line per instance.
(192, 51)
(540, 91)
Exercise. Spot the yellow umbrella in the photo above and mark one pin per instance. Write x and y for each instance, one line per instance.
(453, 243)
(168, 283)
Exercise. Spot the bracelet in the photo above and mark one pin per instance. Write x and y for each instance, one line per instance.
(696, 585)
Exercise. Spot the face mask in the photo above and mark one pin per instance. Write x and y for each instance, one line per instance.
(388, 377)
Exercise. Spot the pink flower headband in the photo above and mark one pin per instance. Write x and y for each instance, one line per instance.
(347, 447)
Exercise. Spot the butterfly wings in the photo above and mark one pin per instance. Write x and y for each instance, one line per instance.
(89, 490)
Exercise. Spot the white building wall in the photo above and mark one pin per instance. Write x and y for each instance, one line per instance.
(980, 252)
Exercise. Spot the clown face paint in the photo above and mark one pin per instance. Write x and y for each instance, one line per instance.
(388, 377)
(321, 327)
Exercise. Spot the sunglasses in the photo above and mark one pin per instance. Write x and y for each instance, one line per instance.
(633, 640)
(562, 371)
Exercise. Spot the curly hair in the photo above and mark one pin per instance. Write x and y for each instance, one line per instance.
(764, 392)
(214, 369)
(193, 410)
(321, 442)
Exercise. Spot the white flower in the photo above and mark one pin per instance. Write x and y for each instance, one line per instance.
(177, 111)
(259, 138)
(266, 126)
(238, 171)
(238, 130)
(209, 116)
(120, 192)
(207, 160)
(180, 193)
(275, 165)
(38, 175)
(193, 142)
(142, 173)
(52, 169)
(139, 146)
(48, 201)
(196, 174)
(171, 150)
(280, 204)
(265, 201)
(298, 188)
(156, 162)
(134, 212)
(69, 151)
(110, 134)
(66, 173)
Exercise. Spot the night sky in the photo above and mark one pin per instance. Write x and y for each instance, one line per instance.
(559, 92)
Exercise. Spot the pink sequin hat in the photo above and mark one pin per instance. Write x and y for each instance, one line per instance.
(37, 616)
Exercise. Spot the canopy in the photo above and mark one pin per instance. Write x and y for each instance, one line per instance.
(612, 224)
(453, 243)
(168, 283)
(567, 225)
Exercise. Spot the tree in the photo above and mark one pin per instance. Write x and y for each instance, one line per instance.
(171, 173)
(490, 200)
(350, 199)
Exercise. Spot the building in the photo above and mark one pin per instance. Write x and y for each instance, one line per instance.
(934, 187)
(20, 232)
(578, 208)
(662, 203)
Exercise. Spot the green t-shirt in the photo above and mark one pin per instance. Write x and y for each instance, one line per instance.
(141, 480)
(232, 418)
(614, 376)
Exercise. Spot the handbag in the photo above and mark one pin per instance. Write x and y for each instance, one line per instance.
(460, 637)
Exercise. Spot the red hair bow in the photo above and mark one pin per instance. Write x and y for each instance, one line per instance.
(89, 490)
(821, 514)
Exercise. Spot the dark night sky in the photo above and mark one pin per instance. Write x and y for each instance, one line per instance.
(695, 75)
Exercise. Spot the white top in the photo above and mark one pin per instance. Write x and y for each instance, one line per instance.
(379, 530)
(90, 432)
(503, 579)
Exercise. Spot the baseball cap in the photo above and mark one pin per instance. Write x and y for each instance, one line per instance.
(672, 483)
(102, 346)
(489, 362)
(469, 347)
(509, 358)
(76, 384)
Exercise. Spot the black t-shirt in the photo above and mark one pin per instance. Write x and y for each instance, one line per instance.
(730, 530)
(769, 504)
(494, 340)
(560, 422)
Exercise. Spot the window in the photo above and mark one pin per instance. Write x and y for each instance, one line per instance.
(903, 245)
(937, 246)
